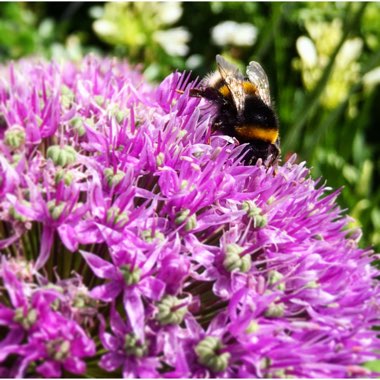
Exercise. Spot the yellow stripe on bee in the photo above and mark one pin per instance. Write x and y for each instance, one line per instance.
(255, 132)
(224, 90)
(249, 88)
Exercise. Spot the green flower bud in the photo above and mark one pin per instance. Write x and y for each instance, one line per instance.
(279, 374)
(79, 301)
(55, 210)
(160, 159)
(65, 176)
(14, 137)
(55, 304)
(260, 221)
(182, 133)
(271, 199)
(78, 126)
(82, 300)
(61, 156)
(39, 120)
(58, 349)
(148, 236)
(246, 263)
(67, 96)
(252, 328)
(16, 216)
(191, 222)
(63, 351)
(184, 184)
(265, 363)
(250, 208)
(112, 178)
(234, 261)
(254, 213)
(134, 347)
(208, 352)
(16, 159)
(273, 277)
(312, 284)
(99, 99)
(26, 321)
(131, 276)
(115, 216)
(275, 310)
(171, 311)
(121, 116)
(182, 216)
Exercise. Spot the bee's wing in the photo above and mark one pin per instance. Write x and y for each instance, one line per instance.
(234, 80)
(257, 76)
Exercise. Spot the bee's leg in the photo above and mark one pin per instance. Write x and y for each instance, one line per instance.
(196, 93)
(216, 125)
(275, 156)
(208, 93)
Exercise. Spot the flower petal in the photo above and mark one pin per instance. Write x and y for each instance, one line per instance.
(75, 365)
(49, 369)
(111, 361)
(134, 308)
(46, 243)
(152, 288)
(107, 292)
(101, 268)
(68, 237)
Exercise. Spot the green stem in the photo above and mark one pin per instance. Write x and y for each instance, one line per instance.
(267, 40)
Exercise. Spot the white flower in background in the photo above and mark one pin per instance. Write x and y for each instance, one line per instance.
(173, 41)
(307, 51)
(105, 27)
(233, 33)
(194, 61)
(350, 51)
(170, 12)
(372, 78)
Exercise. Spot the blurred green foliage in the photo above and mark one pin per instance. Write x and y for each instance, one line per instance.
(320, 59)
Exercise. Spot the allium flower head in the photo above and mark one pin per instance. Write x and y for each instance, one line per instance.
(136, 242)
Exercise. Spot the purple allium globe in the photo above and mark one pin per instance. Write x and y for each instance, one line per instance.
(136, 244)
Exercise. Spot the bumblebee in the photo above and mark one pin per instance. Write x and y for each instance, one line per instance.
(244, 109)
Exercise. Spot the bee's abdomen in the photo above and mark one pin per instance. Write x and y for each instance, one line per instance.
(257, 132)
(257, 122)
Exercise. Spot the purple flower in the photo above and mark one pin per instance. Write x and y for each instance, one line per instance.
(38, 331)
(130, 277)
(126, 350)
(136, 242)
